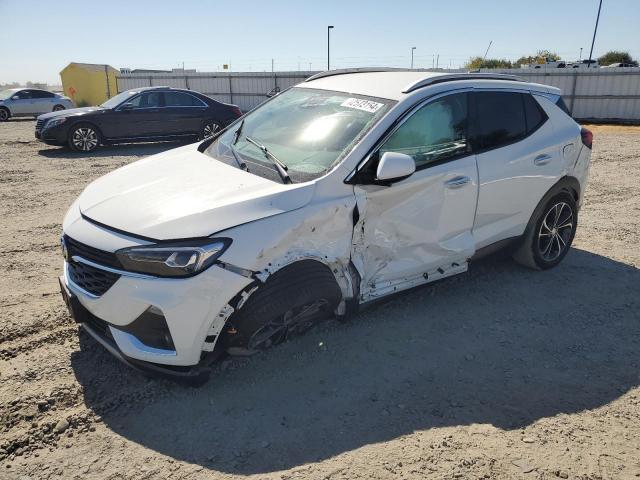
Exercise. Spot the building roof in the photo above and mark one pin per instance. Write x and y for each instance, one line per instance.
(90, 66)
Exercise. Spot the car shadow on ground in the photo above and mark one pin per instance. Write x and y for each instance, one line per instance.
(119, 150)
(501, 345)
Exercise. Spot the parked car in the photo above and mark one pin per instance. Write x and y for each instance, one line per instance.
(30, 102)
(619, 65)
(138, 115)
(337, 192)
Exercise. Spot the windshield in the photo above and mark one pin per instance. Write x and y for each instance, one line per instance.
(4, 94)
(307, 130)
(118, 99)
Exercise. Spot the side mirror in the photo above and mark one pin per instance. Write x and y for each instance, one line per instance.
(127, 106)
(394, 166)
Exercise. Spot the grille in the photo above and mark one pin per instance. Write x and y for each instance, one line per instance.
(90, 253)
(39, 124)
(91, 279)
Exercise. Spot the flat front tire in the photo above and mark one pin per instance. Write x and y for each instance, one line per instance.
(550, 234)
(291, 302)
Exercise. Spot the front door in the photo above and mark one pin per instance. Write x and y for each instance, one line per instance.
(419, 229)
(22, 103)
(146, 118)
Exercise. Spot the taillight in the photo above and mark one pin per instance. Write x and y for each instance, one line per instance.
(587, 137)
(237, 112)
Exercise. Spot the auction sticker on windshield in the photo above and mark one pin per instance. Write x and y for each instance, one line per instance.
(359, 104)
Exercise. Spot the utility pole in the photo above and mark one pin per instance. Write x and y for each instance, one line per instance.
(437, 60)
(412, 49)
(580, 59)
(595, 29)
(485, 53)
(272, 65)
(329, 27)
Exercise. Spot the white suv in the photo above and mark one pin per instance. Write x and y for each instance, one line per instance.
(349, 187)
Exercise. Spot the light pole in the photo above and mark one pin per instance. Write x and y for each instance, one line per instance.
(329, 27)
(412, 49)
(595, 29)
(580, 59)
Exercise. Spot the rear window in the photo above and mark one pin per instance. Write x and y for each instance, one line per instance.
(533, 113)
(563, 106)
(499, 119)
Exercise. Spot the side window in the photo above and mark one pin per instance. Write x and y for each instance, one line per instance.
(41, 94)
(436, 132)
(534, 114)
(24, 94)
(147, 100)
(499, 119)
(178, 99)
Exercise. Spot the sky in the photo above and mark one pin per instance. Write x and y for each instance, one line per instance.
(39, 38)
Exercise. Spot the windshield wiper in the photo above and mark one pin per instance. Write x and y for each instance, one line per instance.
(236, 134)
(280, 167)
(241, 164)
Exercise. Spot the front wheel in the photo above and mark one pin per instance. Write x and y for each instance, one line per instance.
(549, 237)
(4, 115)
(84, 138)
(291, 302)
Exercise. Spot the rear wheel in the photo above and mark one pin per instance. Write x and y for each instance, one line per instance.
(209, 129)
(4, 114)
(291, 302)
(84, 138)
(57, 108)
(549, 237)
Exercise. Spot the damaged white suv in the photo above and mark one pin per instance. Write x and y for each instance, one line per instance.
(348, 187)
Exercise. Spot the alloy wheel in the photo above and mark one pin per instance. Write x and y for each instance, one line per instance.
(294, 321)
(555, 232)
(85, 139)
(210, 129)
(3, 115)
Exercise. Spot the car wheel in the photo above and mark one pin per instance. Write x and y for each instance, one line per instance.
(57, 108)
(84, 138)
(4, 115)
(291, 302)
(209, 129)
(549, 237)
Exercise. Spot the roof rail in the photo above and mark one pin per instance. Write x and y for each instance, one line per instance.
(344, 71)
(451, 77)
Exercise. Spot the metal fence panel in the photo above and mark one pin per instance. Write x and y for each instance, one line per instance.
(605, 94)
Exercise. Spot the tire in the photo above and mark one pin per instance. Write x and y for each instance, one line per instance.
(57, 108)
(209, 128)
(550, 233)
(4, 114)
(84, 137)
(291, 302)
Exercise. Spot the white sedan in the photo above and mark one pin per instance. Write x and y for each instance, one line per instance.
(349, 187)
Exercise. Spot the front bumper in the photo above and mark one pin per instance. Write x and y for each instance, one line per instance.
(51, 136)
(193, 308)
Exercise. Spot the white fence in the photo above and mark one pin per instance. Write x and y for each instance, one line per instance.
(597, 94)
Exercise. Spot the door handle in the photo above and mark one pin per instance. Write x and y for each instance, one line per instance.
(542, 159)
(457, 182)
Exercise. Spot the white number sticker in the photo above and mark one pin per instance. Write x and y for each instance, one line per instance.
(359, 104)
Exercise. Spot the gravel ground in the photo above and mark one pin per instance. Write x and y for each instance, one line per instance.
(498, 373)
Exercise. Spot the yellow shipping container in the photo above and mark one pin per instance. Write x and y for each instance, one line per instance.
(88, 83)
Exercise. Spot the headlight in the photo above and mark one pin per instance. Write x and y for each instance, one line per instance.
(180, 259)
(54, 122)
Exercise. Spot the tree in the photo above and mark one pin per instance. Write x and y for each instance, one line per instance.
(616, 56)
(476, 63)
(541, 56)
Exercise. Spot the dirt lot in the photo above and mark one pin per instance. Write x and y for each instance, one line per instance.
(498, 373)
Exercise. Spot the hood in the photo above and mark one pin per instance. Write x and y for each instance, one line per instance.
(71, 112)
(183, 193)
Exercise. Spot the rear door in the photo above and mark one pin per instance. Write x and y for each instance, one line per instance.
(419, 228)
(518, 161)
(185, 113)
(43, 101)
